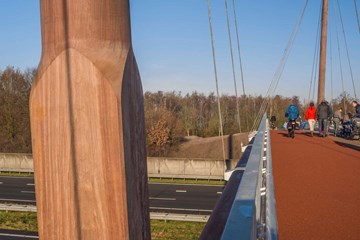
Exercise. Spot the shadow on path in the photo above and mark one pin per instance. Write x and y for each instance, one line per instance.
(347, 145)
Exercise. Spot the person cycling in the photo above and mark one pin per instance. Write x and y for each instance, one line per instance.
(292, 113)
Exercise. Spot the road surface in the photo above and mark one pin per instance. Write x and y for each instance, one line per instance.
(174, 198)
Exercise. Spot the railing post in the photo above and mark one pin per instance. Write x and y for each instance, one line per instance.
(87, 124)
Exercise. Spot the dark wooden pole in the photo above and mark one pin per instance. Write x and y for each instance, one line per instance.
(87, 124)
(322, 65)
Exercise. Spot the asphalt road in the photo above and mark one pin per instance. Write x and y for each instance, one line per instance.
(174, 198)
(169, 198)
(19, 190)
(180, 198)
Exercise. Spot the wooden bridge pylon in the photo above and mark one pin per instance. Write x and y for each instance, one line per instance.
(87, 124)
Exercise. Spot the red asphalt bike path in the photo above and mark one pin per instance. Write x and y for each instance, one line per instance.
(317, 188)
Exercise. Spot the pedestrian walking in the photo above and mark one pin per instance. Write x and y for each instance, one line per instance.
(310, 116)
(356, 105)
(337, 120)
(324, 114)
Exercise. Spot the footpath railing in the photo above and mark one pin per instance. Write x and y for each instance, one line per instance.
(246, 209)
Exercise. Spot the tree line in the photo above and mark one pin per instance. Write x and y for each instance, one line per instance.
(15, 88)
(169, 116)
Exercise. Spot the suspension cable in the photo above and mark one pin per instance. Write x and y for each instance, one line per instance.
(240, 61)
(315, 58)
(347, 49)
(316, 69)
(315, 82)
(331, 73)
(340, 63)
(232, 64)
(216, 81)
(281, 66)
(290, 45)
(317, 66)
(357, 15)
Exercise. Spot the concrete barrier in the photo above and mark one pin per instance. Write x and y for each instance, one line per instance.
(196, 168)
(16, 162)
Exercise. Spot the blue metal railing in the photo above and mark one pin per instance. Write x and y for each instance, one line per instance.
(252, 214)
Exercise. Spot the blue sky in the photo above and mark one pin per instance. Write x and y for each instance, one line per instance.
(171, 40)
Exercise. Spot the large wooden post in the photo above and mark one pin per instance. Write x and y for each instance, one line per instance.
(87, 124)
(322, 65)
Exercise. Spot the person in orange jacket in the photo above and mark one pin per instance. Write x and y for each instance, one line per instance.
(310, 116)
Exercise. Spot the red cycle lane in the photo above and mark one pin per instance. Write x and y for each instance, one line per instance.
(316, 187)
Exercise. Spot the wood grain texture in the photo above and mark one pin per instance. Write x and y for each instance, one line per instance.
(87, 124)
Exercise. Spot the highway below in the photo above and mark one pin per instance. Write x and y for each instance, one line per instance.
(165, 198)
(170, 198)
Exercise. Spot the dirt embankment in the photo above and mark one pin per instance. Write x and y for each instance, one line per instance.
(211, 147)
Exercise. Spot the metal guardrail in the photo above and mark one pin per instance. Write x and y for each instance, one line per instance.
(253, 214)
(153, 215)
(271, 219)
(246, 209)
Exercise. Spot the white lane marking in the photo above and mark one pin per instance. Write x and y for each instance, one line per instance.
(219, 192)
(181, 191)
(27, 191)
(17, 177)
(16, 200)
(1, 182)
(30, 184)
(181, 209)
(166, 199)
(16, 235)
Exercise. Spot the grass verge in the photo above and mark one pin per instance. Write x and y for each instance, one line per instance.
(175, 230)
(16, 174)
(186, 181)
(160, 230)
(26, 221)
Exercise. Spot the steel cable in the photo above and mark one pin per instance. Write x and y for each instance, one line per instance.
(233, 66)
(357, 15)
(315, 60)
(240, 62)
(216, 80)
(340, 63)
(347, 49)
(280, 68)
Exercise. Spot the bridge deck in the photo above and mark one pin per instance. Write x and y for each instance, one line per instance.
(316, 187)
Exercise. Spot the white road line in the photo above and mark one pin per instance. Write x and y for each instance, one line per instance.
(16, 235)
(30, 184)
(219, 192)
(181, 191)
(16, 177)
(16, 200)
(28, 192)
(166, 199)
(182, 209)
(1, 182)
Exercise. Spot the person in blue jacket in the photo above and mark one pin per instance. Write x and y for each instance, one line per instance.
(292, 112)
